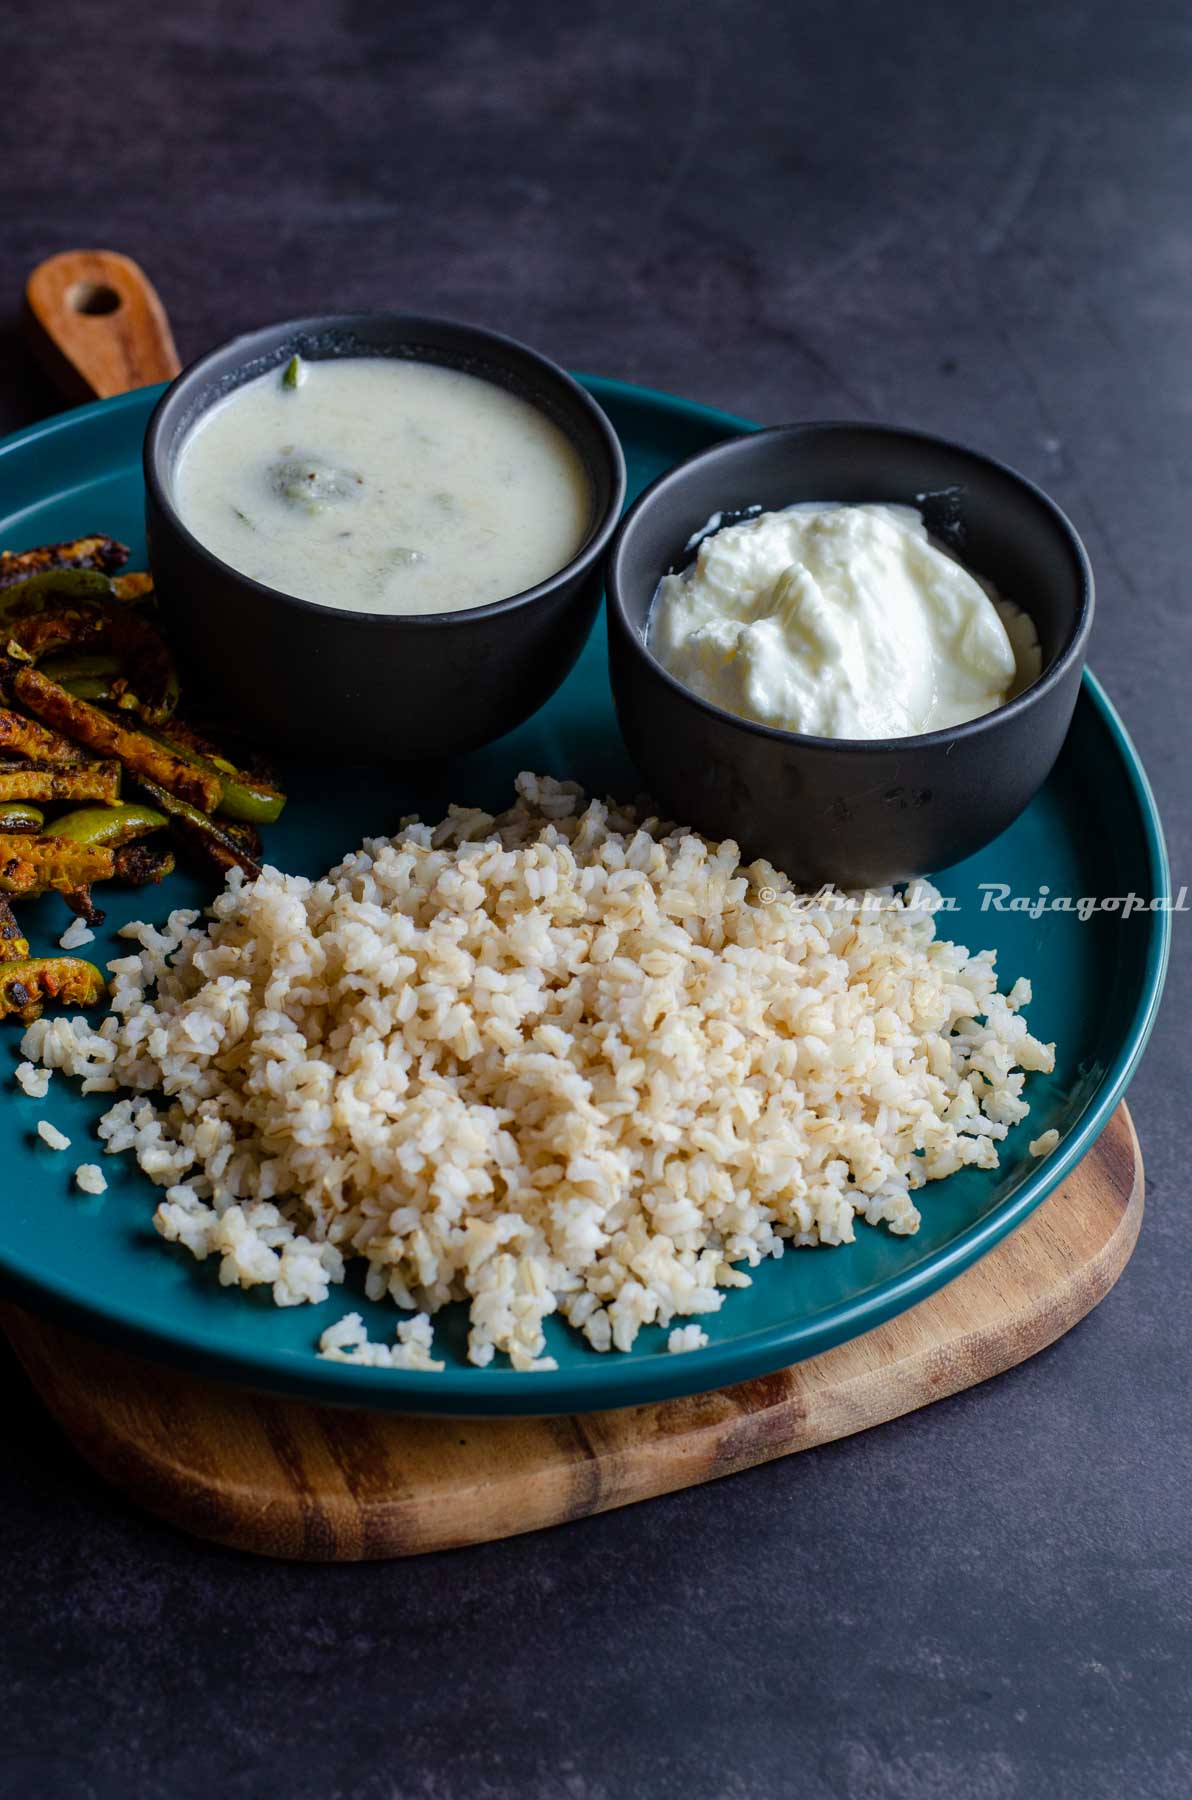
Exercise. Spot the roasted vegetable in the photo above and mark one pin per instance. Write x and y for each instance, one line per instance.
(144, 679)
(25, 986)
(18, 815)
(133, 587)
(216, 846)
(148, 684)
(96, 689)
(141, 755)
(140, 863)
(95, 552)
(79, 651)
(83, 906)
(216, 739)
(27, 738)
(12, 945)
(244, 835)
(242, 796)
(30, 865)
(53, 781)
(109, 826)
(217, 843)
(53, 587)
(87, 674)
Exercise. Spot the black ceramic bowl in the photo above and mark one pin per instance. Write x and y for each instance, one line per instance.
(860, 813)
(371, 685)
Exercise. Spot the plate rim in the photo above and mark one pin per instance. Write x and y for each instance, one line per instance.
(608, 1384)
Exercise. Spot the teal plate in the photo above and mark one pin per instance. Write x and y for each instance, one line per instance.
(97, 1262)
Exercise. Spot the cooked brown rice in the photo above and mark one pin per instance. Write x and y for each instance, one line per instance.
(563, 1059)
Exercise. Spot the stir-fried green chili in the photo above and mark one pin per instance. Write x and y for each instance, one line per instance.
(242, 796)
(207, 833)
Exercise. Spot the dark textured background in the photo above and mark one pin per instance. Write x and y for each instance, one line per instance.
(970, 217)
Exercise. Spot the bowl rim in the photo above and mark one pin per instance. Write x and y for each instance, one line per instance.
(261, 338)
(1071, 653)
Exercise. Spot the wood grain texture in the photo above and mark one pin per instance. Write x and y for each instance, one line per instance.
(328, 1484)
(96, 323)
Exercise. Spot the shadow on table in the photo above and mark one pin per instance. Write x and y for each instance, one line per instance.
(26, 392)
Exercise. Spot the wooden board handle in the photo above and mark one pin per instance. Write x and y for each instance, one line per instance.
(96, 323)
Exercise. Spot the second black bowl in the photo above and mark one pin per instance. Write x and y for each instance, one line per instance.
(856, 812)
(360, 685)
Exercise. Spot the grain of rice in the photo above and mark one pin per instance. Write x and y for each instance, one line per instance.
(77, 934)
(50, 1134)
(90, 1178)
(36, 1082)
(1043, 1146)
(562, 1060)
(686, 1337)
(348, 1341)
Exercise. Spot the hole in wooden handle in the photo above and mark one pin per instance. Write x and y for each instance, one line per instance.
(93, 298)
(96, 322)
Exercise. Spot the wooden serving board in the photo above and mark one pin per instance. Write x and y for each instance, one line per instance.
(327, 1484)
